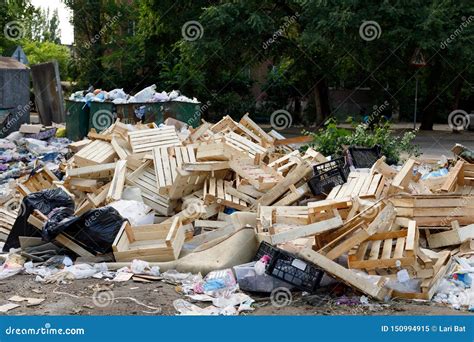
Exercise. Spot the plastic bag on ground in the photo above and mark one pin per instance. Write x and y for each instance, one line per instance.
(137, 213)
(95, 230)
(44, 201)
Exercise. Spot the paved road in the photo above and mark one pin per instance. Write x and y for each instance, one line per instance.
(433, 144)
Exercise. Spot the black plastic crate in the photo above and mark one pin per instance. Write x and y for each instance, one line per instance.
(364, 157)
(337, 163)
(325, 182)
(327, 175)
(287, 267)
(266, 249)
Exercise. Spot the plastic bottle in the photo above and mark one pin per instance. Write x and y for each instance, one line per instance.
(261, 265)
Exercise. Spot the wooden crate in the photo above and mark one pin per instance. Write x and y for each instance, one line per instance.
(145, 178)
(41, 180)
(290, 160)
(95, 153)
(244, 145)
(166, 161)
(390, 249)
(187, 182)
(435, 211)
(262, 137)
(155, 242)
(218, 191)
(259, 175)
(146, 140)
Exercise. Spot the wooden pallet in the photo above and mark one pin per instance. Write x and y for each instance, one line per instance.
(40, 180)
(96, 153)
(155, 242)
(389, 249)
(166, 161)
(258, 174)
(146, 140)
(219, 191)
(145, 178)
(363, 185)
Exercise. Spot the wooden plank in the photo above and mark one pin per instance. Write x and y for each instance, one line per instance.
(303, 231)
(377, 291)
(118, 182)
(300, 172)
(452, 237)
(455, 176)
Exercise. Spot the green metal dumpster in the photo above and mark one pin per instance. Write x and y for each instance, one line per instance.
(102, 115)
(77, 119)
(189, 113)
(132, 113)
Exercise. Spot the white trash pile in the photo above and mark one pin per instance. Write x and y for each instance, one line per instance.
(119, 96)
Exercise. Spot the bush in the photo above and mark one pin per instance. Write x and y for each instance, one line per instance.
(331, 139)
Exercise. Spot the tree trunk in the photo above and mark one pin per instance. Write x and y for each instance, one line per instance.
(430, 109)
(321, 98)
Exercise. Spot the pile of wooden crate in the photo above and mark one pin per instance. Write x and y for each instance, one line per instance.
(383, 219)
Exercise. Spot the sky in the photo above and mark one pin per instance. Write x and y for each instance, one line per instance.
(67, 33)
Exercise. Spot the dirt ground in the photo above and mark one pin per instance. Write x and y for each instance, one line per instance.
(80, 297)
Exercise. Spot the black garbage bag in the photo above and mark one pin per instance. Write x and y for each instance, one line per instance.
(44, 201)
(95, 230)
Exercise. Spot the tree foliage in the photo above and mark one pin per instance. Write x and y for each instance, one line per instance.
(287, 54)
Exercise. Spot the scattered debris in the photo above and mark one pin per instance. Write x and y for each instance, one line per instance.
(140, 199)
